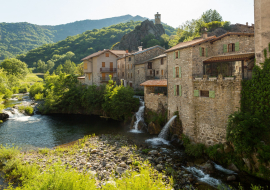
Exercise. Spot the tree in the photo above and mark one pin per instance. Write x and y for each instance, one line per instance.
(69, 67)
(79, 69)
(152, 42)
(15, 67)
(41, 66)
(59, 69)
(210, 16)
(50, 65)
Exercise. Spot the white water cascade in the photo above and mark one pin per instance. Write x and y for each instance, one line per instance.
(14, 114)
(139, 117)
(162, 135)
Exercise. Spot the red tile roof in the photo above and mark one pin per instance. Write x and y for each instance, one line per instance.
(190, 43)
(161, 83)
(115, 52)
(232, 57)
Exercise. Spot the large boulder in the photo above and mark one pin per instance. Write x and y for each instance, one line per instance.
(208, 167)
(154, 129)
(4, 116)
(133, 119)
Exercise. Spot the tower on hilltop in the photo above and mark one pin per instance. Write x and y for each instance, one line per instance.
(157, 18)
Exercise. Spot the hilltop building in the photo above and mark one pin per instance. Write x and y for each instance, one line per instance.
(98, 66)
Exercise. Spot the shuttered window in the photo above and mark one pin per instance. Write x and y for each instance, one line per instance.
(178, 54)
(103, 64)
(162, 72)
(204, 93)
(225, 48)
(174, 55)
(161, 61)
(174, 72)
(107, 54)
(200, 51)
(85, 66)
(175, 90)
(196, 93)
(237, 46)
(177, 72)
(212, 94)
(206, 52)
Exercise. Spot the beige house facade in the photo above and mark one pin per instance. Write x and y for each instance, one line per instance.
(262, 29)
(98, 66)
(133, 67)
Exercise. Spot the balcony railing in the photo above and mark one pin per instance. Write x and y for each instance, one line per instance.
(108, 69)
(106, 79)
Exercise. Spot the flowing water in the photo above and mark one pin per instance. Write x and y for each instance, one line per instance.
(139, 118)
(163, 135)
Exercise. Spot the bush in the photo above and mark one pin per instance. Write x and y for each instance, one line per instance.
(27, 109)
(39, 96)
(191, 149)
(24, 88)
(15, 90)
(8, 94)
(36, 88)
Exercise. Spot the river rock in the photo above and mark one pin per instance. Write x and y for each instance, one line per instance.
(233, 167)
(123, 164)
(94, 151)
(175, 141)
(153, 152)
(4, 116)
(141, 125)
(208, 167)
(154, 129)
(231, 178)
(133, 119)
(120, 170)
(159, 167)
(110, 183)
(92, 173)
(247, 162)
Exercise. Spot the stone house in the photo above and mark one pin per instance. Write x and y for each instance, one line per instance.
(204, 83)
(132, 68)
(81, 79)
(98, 66)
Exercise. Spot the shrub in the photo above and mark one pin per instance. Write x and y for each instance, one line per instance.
(145, 151)
(15, 90)
(39, 96)
(191, 149)
(36, 88)
(27, 109)
(24, 88)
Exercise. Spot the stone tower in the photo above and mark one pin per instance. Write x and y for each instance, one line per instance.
(262, 28)
(157, 18)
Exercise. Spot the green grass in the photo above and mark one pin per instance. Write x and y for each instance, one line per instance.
(32, 78)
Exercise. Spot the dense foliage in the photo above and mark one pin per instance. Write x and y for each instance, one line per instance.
(62, 93)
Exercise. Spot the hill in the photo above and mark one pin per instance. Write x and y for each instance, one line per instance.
(19, 38)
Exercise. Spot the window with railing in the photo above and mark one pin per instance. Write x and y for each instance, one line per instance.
(231, 47)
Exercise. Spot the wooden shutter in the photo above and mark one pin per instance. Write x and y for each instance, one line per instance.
(237, 46)
(174, 55)
(196, 93)
(180, 90)
(85, 66)
(206, 52)
(225, 48)
(103, 64)
(178, 54)
(175, 90)
(174, 72)
(212, 94)
(180, 75)
(200, 51)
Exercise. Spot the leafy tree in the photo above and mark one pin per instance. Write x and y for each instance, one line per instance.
(79, 69)
(210, 16)
(153, 42)
(59, 70)
(69, 67)
(15, 67)
(41, 66)
(50, 65)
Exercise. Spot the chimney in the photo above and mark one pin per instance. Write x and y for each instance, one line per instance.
(205, 35)
(140, 48)
(126, 51)
(247, 23)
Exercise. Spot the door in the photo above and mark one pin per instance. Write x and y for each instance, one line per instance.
(111, 66)
(103, 76)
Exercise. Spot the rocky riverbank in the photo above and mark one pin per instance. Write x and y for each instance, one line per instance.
(108, 157)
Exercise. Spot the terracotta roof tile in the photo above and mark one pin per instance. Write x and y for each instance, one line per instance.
(232, 33)
(115, 52)
(231, 57)
(161, 83)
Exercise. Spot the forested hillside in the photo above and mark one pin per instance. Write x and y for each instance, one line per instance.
(19, 38)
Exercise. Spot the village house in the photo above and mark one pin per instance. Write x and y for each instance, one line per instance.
(204, 83)
(134, 68)
(98, 66)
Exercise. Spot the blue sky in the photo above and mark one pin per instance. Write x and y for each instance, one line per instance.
(173, 12)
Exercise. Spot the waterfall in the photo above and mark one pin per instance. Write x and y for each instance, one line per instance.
(139, 117)
(164, 133)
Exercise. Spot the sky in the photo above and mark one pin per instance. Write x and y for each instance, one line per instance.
(173, 12)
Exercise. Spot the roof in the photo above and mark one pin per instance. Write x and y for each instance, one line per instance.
(138, 52)
(232, 57)
(81, 77)
(190, 43)
(160, 83)
(160, 56)
(232, 33)
(115, 52)
(144, 61)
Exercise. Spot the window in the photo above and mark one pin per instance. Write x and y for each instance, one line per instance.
(107, 54)
(177, 72)
(162, 72)
(161, 61)
(149, 65)
(204, 93)
(231, 47)
(176, 55)
(129, 59)
(103, 64)
(130, 75)
(151, 72)
(85, 66)
(130, 84)
(177, 90)
(203, 52)
(128, 66)
(157, 72)
(122, 74)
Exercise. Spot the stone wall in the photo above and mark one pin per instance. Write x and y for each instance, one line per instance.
(262, 28)
(153, 101)
(211, 114)
(148, 54)
(140, 76)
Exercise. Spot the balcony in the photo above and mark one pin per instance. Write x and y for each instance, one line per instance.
(109, 70)
(106, 79)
